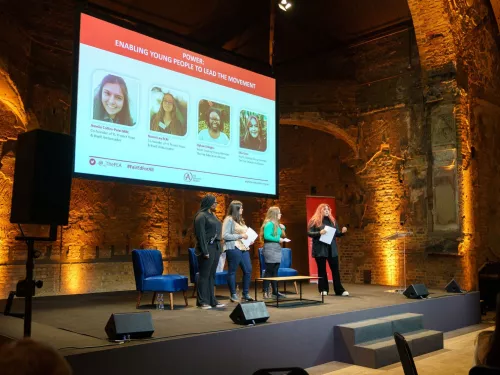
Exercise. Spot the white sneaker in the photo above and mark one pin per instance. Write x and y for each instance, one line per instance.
(324, 293)
(220, 305)
(345, 294)
(205, 307)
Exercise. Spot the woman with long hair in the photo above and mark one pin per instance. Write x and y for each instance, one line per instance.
(254, 137)
(111, 101)
(237, 254)
(272, 232)
(323, 252)
(207, 229)
(165, 120)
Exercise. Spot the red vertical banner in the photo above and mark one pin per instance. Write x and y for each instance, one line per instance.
(312, 202)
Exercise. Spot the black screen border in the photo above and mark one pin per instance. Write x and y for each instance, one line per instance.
(166, 36)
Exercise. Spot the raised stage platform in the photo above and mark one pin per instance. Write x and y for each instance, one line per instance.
(188, 340)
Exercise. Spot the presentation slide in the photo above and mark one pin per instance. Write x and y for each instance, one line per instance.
(153, 112)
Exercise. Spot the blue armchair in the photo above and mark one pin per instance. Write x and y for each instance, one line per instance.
(220, 277)
(285, 266)
(148, 272)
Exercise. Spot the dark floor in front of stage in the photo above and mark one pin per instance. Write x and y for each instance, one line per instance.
(88, 314)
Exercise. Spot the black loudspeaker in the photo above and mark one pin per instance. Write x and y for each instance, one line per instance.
(250, 313)
(453, 287)
(137, 325)
(415, 291)
(42, 178)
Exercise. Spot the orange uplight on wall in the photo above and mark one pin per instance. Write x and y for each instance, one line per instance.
(381, 175)
(72, 278)
(466, 247)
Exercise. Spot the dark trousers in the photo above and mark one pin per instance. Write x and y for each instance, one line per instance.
(334, 267)
(206, 278)
(271, 271)
(235, 258)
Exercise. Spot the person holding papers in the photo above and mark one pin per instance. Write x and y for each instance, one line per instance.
(234, 234)
(323, 229)
(273, 234)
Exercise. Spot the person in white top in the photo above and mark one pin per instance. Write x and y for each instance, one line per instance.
(233, 231)
(214, 133)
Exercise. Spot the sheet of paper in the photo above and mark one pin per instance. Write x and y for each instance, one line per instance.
(328, 236)
(222, 262)
(287, 240)
(252, 236)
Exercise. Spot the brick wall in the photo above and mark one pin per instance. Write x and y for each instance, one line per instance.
(372, 105)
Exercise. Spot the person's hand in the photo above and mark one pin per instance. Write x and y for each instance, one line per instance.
(282, 240)
(344, 229)
(322, 231)
(282, 226)
(206, 256)
(244, 236)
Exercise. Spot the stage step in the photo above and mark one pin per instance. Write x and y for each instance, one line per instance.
(370, 343)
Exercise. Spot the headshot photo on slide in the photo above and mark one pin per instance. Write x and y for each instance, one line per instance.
(214, 122)
(253, 131)
(115, 98)
(168, 111)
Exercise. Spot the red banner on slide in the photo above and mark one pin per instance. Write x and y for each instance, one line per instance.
(109, 37)
(312, 202)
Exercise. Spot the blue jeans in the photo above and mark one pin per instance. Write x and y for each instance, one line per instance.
(237, 258)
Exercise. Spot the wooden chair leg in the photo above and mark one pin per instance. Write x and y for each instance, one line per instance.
(284, 287)
(194, 291)
(154, 298)
(171, 300)
(296, 289)
(138, 300)
(185, 297)
(215, 290)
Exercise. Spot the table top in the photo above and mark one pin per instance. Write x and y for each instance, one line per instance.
(289, 278)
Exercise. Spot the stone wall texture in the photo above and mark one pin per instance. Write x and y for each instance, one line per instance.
(402, 130)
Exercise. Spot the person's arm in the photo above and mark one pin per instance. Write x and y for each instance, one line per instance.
(283, 230)
(314, 232)
(199, 231)
(228, 229)
(268, 233)
(338, 232)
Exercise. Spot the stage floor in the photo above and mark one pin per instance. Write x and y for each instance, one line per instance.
(77, 321)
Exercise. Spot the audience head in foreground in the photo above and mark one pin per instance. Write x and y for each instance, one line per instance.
(488, 343)
(28, 357)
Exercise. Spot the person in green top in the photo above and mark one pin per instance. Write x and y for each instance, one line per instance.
(272, 232)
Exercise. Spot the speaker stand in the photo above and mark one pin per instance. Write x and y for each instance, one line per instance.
(396, 236)
(26, 288)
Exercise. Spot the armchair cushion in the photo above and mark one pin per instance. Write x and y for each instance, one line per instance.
(220, 277)
(285, 265)
(148, 273)
(287, 272)
(166, 283)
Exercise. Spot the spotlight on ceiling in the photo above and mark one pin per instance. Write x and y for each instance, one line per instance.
(285, 5)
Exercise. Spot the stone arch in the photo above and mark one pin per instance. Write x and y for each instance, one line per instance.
(14, 119)
(320, 124)
(9, 96)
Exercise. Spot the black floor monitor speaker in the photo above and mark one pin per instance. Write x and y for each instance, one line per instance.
(42, 178)
(137, 325)
(250, 313)
(453, 287)
(416, 291)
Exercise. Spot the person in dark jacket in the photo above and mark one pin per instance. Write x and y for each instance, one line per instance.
(207, 229)
(323, 252)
